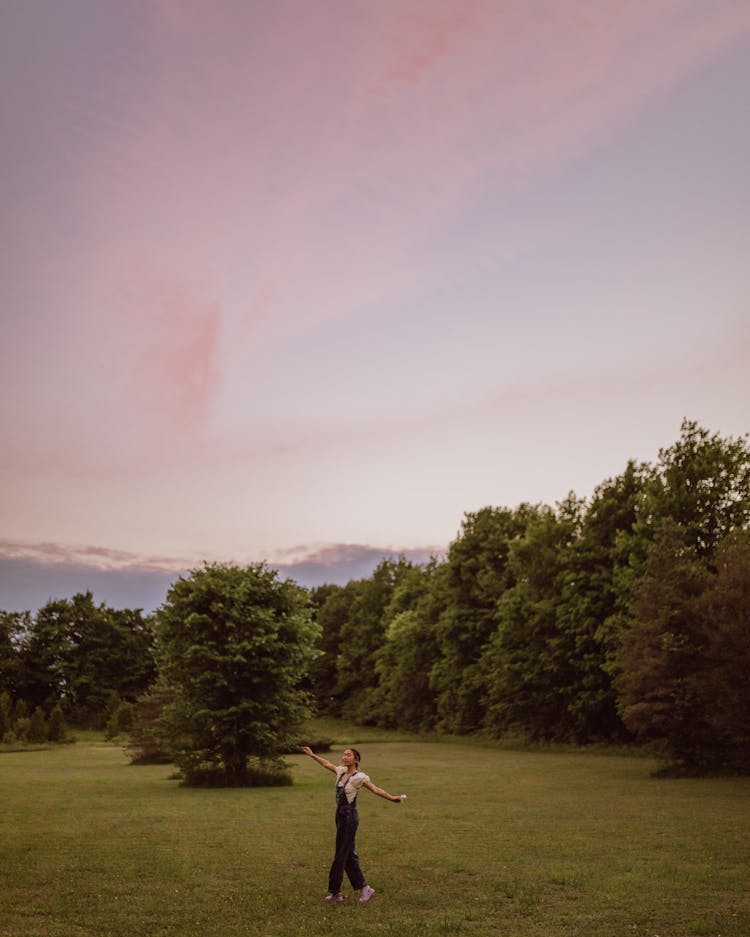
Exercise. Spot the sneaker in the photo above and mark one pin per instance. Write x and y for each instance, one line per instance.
(335, 899)
(366, 894)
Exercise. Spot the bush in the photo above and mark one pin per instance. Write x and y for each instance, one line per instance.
(22, 728)
(57, 730)
(6, 714)
(121, 721)
(38, 731)
(147, 744)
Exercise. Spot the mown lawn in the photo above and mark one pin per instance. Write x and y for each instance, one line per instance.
(490, 841)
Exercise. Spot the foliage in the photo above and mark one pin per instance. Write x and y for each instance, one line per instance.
(38, 730)
(13, 627)
(725, 687)
(21, 729)
(702, 484)
(332, 609)
(361, 634)
(527, 661)
(121, 721)
(684, 686)
(6, 714)
(330, 606)
(147, 740)
(258, 772)
(57, 729)
(405, 697)
(477, 575)
(589, 609)
(17, 726)
(234, 644)
(78, 654)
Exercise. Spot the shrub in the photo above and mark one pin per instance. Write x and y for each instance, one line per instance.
(22, 728)
(38, 731)
(6, 713)
(147, 744)
(57, 730)
(121, 720)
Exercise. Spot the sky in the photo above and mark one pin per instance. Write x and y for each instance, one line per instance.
(304, 282)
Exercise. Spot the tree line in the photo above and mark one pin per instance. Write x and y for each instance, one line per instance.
(620, 618)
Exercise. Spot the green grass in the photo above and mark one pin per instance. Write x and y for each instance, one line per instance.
(491, 841)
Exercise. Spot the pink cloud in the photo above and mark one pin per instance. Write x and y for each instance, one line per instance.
(174, 338)
(420, 39)
(330, 554)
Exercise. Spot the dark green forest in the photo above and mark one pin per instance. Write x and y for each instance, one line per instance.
(623, 618)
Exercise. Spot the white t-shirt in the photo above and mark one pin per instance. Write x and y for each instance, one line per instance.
(352, 784)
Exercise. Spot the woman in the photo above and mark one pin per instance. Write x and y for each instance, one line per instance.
(349, 780)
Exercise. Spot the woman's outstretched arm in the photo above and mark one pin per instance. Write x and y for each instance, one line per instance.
(394, 798)
(321, 761)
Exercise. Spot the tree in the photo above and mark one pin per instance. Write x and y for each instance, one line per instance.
(701, 488)
(42, 654)
(724, 688)
(362, 634)
(6, 714)
(685, 686)
(404, 661)
(702, 484)
(13, 626)
(108, 657)
(477, 575)
(589, 615)
(528, 662)
(148, 742)
(664, 653)
(234, 643)
(79, 654)
(332, 609)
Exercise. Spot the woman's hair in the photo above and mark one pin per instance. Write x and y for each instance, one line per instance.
(357, 756)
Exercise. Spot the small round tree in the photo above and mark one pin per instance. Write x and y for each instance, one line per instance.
(234, 644)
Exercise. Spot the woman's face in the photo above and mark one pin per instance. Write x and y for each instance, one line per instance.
(348, 759)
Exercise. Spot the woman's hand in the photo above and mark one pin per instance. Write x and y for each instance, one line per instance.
(323, 762)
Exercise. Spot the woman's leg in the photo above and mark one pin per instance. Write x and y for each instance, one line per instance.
(353, 869)
(344, 849)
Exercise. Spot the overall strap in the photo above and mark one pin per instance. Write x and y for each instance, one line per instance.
(348, 779)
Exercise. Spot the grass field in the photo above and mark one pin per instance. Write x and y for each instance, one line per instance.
(490, 841)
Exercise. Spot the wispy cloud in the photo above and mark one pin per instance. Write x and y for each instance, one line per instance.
(95, 557)
(33, 573)
(174, 337)
(339, 563)
(420, 38)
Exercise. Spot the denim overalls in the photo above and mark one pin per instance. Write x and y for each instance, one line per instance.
(346, 859)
